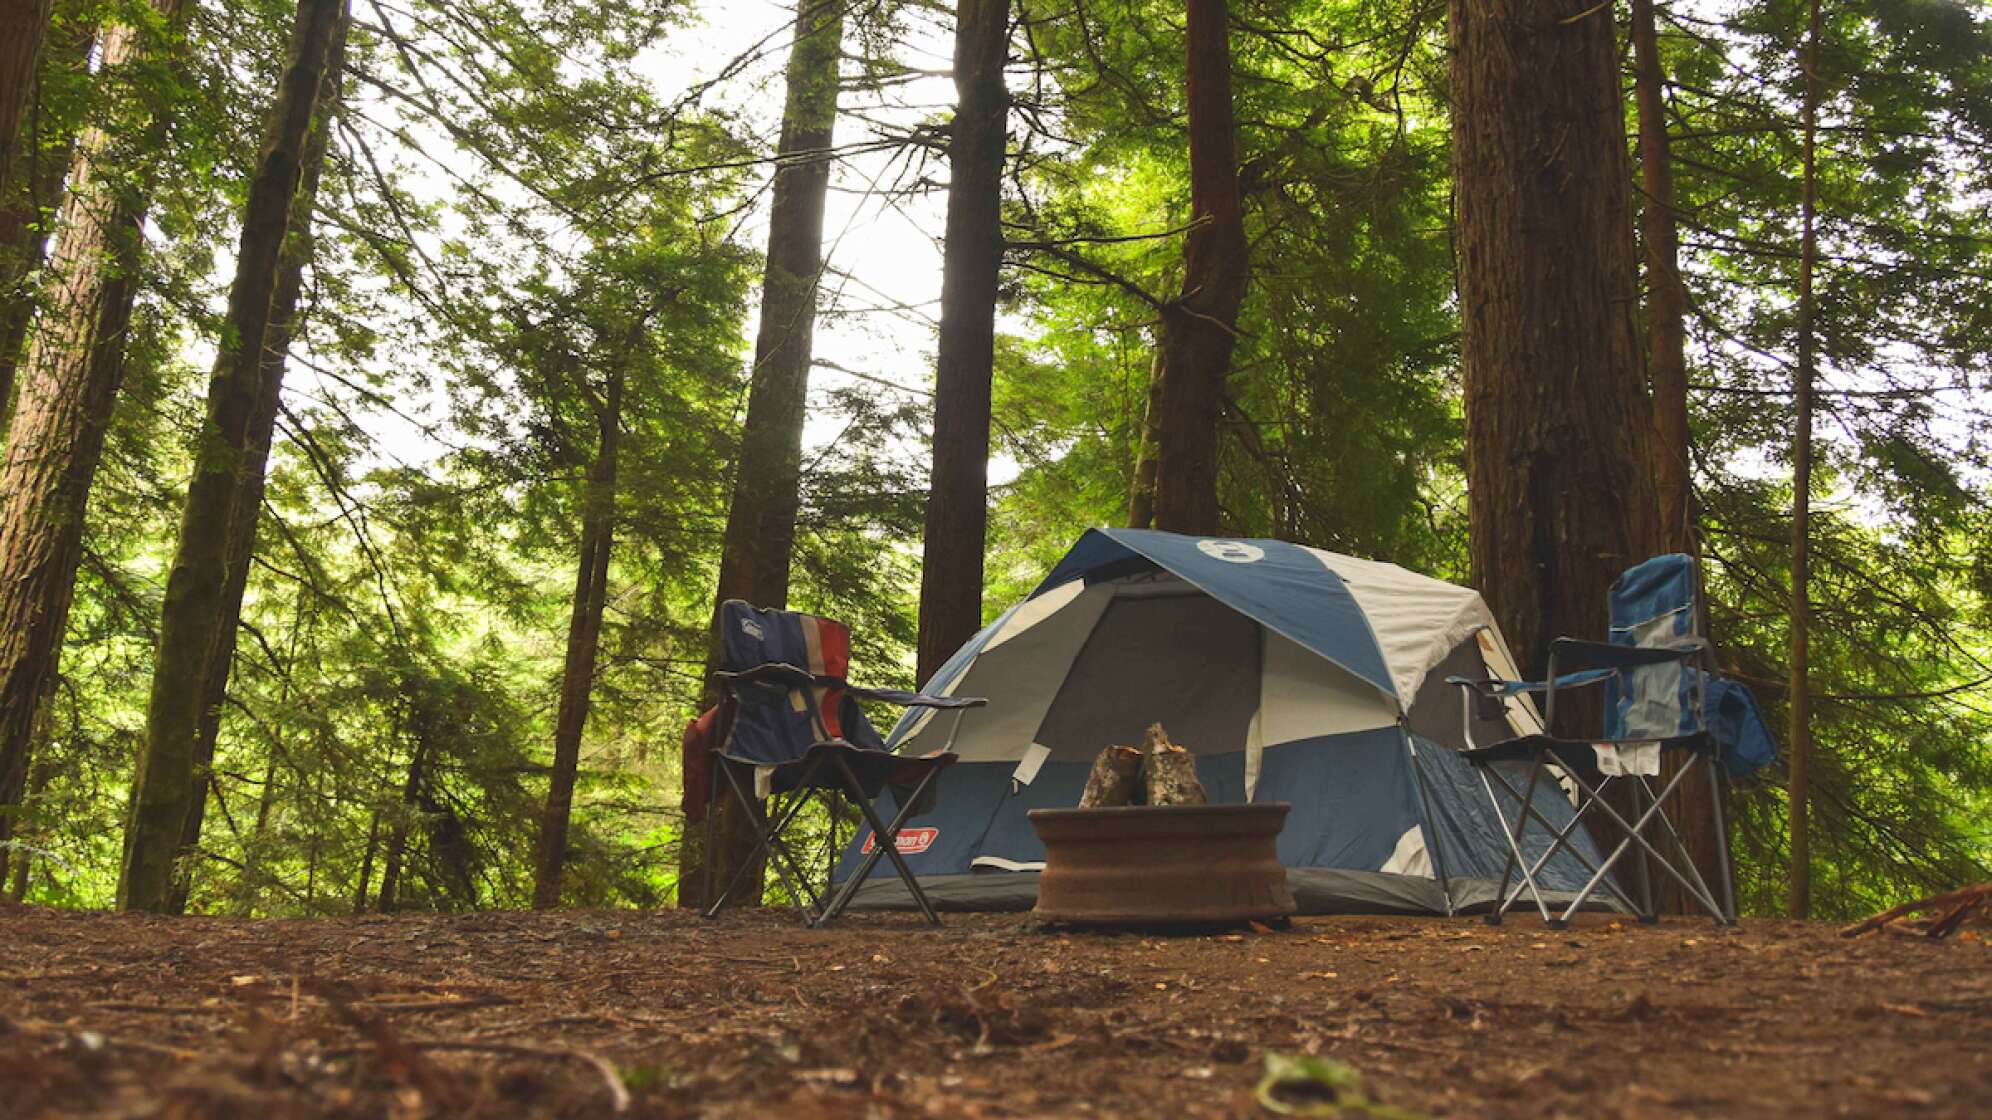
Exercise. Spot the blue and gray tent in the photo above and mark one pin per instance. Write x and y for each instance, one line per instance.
(1293, 674)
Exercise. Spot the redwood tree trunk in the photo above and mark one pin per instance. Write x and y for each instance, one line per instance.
(1200, 327)
(958, 496)
(23, 23)
(42, 152)
(584, 634)
(1558, 424)
(64, 402)
(1799, 895)
(767, 481)
(191, 625)
(1666, 299)
(246, 508)
(1667, 372)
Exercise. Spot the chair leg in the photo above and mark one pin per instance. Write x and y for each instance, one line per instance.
(1515, 858)
(711, 810)
(769, 841)
(1686, 867)
(1634, 834)
(1562, 843)
(1715, 799)
(885, 842)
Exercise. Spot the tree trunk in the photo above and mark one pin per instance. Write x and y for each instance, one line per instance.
(65, 399)
(1558, 424)
(1141, 495)
(397, 838)
(23, 23)
(23, 859)
(1200, 327)
(767, 483)
(367, 864)
(30, 192)
(957, 521)
(1666, 298)
(246, 506)
(584, 633)
(1667, 371)
(760, 523)
(1799, 897)
(191, 625)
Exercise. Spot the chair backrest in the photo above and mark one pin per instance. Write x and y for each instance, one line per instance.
(777, 721)
(1657, 605)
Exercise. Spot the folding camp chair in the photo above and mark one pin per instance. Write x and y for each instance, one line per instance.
(1658, 699)
(788, 723)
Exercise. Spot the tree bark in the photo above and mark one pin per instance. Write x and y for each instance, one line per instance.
(1799, 895)
(64, 403)
(191, 625)
(31, 189)
(1666, 297)
(1169, 772)
(584, 633)
(767, 482)
(246, 507)
(1141, 494)
(1667, 372)
(1113, 780)
(1558, 424)
(397, 840)
(1199, 328)
(23, 24)
(957, 520)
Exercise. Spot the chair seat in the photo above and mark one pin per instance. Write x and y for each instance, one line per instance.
(874, 769)
(1571, 754)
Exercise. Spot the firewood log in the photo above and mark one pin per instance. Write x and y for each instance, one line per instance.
(1113, 780)
(1170, 773)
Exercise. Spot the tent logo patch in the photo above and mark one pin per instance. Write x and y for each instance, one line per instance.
(752, 628)
(912, 841)
(1231, 552)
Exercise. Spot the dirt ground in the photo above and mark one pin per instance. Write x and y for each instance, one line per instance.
(665, 1015)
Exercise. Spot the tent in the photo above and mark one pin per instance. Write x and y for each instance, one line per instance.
(1293, 674)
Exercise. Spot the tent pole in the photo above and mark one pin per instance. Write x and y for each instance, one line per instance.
(1425, 807)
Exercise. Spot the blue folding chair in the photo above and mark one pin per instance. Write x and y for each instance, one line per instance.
(1660, 698)
(789, 724)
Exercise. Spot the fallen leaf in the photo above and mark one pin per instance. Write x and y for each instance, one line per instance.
(1305, 1085)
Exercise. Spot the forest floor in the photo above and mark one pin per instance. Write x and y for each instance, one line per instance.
(661, 1014)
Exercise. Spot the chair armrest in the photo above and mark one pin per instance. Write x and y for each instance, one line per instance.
(1577, 653)
(1495, 688)
(916, 699)
(777, 671)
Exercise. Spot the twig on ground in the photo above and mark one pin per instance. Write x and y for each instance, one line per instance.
(1955, 904)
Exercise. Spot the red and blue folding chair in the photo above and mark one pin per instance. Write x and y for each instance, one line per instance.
(788, 726)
